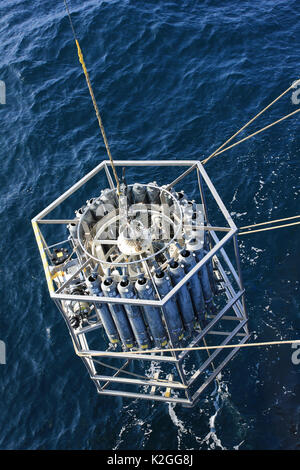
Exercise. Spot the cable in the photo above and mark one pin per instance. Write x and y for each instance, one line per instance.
(200, 348)
(88, 81)
(270, 222)
(252, 135)
(268, 228)
(249, 122)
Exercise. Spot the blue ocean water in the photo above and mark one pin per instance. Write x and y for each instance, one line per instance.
(173, 80)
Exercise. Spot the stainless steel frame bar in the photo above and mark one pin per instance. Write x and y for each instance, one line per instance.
(57, 221)
(205, 330)
(215, 353)
(218, 370)
(144, 396)
(116, 374)
(216, 196)
(124, 380)
(69, 192)
(128, 355)
(65, 284)
(109, 178)
(183, 175)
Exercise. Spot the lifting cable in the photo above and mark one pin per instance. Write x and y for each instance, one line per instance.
(218, 150)
(269, 228)
(193, 348)
(252, 135)
(81, 60)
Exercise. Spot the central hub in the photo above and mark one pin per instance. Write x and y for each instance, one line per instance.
(135, 239)
(137, 225)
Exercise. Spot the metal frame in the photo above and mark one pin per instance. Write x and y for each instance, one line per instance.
(234, 302)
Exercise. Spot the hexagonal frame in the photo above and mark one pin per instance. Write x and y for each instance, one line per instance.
(235, 299)
(192, 165)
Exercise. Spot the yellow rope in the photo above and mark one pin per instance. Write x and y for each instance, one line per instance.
(88, 81)
(249, 122)
(81, 60)
(251, 135)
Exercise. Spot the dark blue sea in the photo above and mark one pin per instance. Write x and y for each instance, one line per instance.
(173, 80)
